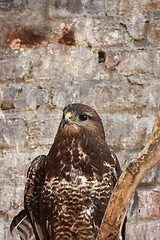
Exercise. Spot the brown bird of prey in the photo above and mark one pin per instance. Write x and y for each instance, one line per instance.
(67, 191)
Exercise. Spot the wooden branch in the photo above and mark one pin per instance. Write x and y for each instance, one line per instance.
(132, 175)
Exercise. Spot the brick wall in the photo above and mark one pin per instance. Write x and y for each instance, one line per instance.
(102, 53)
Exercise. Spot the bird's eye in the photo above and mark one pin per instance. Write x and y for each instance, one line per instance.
(83, 117)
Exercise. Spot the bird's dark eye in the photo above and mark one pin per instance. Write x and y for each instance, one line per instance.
(83, 117)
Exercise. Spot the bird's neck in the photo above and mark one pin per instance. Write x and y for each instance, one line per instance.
(84, 154)
(64, 153)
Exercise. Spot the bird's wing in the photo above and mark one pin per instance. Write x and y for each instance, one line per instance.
(32, 195)
(117, 171)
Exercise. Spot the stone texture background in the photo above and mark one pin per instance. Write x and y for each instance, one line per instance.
(102, 53)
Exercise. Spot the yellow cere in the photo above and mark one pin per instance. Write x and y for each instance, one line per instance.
(68, 115)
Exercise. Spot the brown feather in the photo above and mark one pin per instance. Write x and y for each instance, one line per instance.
(80, 176)
(68, 190)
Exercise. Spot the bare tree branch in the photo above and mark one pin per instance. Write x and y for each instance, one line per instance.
(115, 213)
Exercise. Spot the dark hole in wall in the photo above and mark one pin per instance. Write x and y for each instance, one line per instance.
(101, 57)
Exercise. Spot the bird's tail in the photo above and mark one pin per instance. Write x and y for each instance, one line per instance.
(21, 226)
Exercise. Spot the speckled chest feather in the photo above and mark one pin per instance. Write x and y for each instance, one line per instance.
(78, 185)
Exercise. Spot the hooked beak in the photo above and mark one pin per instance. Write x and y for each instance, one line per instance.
(68, 119)
(65, 121)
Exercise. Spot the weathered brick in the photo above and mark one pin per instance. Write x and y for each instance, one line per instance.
(42, 132)
(71, 8)
(129, 6)
(140, 62)
(23, 97)
(1, 96)
(124, 156)
(111, 7)
(20, 11)
(121, 134)
(13, 171)
(143, 230)
(148, 204)
(136, 26)
(27, 37)
(14, 165)
(136, 15)
(4, 6)
(112, 59)
(12, 133)
(9, 6)
(101, 33)
(134, 62)
(150, 178)
(158, 175)
(109, 99)
(14, 68)
(66, 65)
(19, 160)
(2, 227)
(153, 33)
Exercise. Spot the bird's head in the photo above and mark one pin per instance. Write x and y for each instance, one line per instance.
(79, 119)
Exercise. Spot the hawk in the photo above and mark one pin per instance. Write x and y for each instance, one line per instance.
(67, 191)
